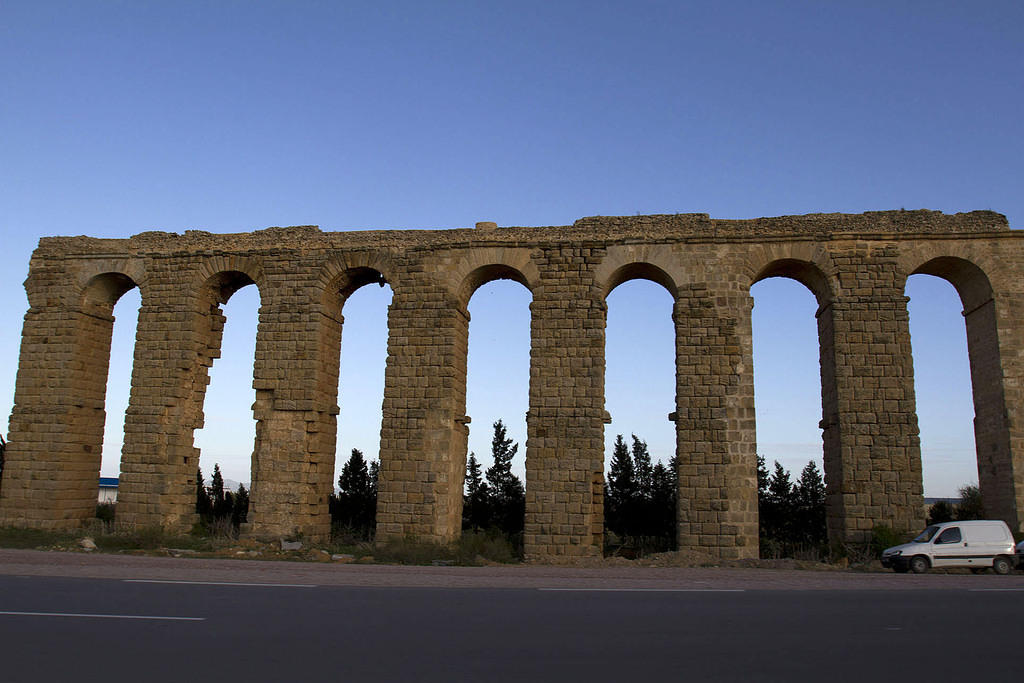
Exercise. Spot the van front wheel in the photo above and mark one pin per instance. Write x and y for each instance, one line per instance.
(1001, 565)
(919, 564)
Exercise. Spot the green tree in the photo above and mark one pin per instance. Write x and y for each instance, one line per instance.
(809, 497)
(780, 488)
(355, 475)
(222, 501)
(507, 495)
(941, 511)
(204, 506)
(374, 476)
(642, 466)
(777, 507)
(970, 505)
(355, 506)
(663, 504)
(792, 516)
(240, 506)
(810, 488)
(475, 502)
(762, 477)
(641, 498)
(764, 508)
(622, 488)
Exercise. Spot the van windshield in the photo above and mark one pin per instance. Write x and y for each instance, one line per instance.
(926, 535)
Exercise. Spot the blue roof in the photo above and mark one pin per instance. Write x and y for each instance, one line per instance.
(108, 482)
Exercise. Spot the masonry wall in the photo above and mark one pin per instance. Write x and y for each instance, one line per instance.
(856, 266)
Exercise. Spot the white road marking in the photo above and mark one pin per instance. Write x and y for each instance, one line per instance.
(995, 590)
(102, 616)
(224, 583)
(644, 590)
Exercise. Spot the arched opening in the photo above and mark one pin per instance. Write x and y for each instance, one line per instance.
(497, 399)
(363, 349)
(103, 426)
(640, 468)
(941, 374)
(119, 382)
(227, 428)
(797, 407)
(788, 398)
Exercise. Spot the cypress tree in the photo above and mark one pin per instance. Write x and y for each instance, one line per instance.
(475, 513)
(204, 506)
(642, 466)
(508, 497)
(220, 500)
(809, 495)
(622, 488)
(240, 506)
(356, 504)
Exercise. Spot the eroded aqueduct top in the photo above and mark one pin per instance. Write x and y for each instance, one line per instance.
(597, 229)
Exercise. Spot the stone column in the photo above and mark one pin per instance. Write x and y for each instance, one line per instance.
(52, 463)
(715, 427)
(296, 382)
(565, 424)
(177, 339)
(423, 431)
(872, 449)
(994, 334)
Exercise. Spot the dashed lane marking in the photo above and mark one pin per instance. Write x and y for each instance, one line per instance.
(644, 590)
(101, 616)
(224, 583)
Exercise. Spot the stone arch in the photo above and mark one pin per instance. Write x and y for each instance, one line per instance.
(99, 295)
(969, 280)
(652, 262)
(342, 275)
(992, 435)
(807, 263)
(480, 266)
(218, 278)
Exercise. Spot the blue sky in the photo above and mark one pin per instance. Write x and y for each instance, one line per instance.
(120, 117)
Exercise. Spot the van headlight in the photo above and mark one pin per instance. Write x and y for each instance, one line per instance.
(892, 553)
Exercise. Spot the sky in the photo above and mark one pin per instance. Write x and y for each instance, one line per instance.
(121, 117)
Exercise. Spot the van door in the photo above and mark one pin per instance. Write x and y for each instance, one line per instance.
(948, 548)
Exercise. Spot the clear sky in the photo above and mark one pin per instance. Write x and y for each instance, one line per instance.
(120, 117)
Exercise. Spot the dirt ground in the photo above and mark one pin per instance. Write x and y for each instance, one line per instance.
(610, 575)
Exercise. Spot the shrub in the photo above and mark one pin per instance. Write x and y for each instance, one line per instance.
(471, 548)
(884, 536)
(105, 512)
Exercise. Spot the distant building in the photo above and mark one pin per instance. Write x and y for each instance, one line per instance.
(108, 490)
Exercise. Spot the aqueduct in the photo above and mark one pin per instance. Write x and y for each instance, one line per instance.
(856, 266)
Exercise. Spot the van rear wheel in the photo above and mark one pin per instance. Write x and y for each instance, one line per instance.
(1001, 565)
(919, 564)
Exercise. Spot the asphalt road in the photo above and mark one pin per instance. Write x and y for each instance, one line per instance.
(84, 629)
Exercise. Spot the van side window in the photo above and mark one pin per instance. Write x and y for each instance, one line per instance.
(950, 535)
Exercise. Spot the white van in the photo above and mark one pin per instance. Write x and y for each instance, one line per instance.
(977, 544)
